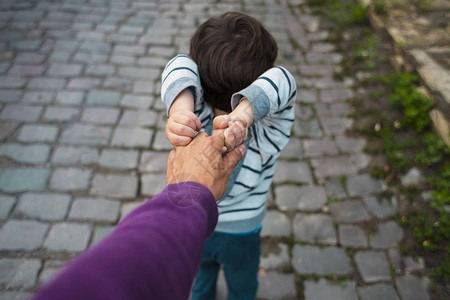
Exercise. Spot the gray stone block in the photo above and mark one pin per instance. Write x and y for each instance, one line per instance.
(100, 70)
(38, 133)
(292, 172)
(98, 210)
(381, 208)
(68, 237)
(359, 185)
(143, 102)
(66, 155)
(332, 109)
(333, 125)
(293, 149)
(46, 83)
(56, 113)
(86, 134)
(21, 113)
(274, 285)
(143, 87)
(14, 295)
(7, 129)
(70, 179)
(306, 198)
(307, 129)
(65, 70)
(85, 83)
(333, 166)
(373, 266)
(161, 142)
(413, 177)
(129, 207)
(115, 185)
(377, 291)
(303, 112)
(26, 153)
(19, 273)
(350, 144)
(412, 288)
(349, 211)
(10, 96)
(152, 184)
(100, 233)
(274, 256)
(103, 97)
(119, 159)
(335, 95)
(70, 97)
(6, 205)
(335, 189)
(131, 137)
(22, 235)
(100, 115)
(315, 148)
(389, 234)
(23, 179)
(152, 161)
(317, 228)
(324, 290)
(30, 58)
(276, 224)
(44, 206)
(352, 236)
(320, 261)
(138, 118)
(40, 97)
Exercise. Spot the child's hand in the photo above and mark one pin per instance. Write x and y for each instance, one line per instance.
(235, 132)
(181, 127)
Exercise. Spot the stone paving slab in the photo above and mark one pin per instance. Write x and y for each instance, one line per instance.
(82, 143)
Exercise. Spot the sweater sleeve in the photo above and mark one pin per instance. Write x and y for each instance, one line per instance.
(272, 96)
(152, 254)
(180, 73)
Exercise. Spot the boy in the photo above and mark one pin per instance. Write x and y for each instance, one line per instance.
(229, 82)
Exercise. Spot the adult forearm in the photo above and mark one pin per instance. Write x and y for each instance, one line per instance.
(152, 254)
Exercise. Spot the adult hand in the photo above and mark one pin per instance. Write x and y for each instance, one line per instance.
(201, 161)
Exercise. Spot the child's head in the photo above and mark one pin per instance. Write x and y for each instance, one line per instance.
(231, 51)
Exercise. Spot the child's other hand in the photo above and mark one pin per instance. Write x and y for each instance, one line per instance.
(181, 127)
(235, 132)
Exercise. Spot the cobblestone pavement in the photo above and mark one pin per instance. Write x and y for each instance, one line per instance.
(82, 132)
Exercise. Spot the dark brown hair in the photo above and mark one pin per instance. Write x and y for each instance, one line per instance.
(231, 51)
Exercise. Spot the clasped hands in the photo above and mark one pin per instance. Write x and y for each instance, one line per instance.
(200, 157)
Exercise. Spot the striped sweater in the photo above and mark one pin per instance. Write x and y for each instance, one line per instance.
(272, 96)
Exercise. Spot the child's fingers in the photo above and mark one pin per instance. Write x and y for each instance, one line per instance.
(178, 140)
(182, 129)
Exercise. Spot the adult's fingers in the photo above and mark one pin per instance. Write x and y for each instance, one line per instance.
(218, 139)
(169, 172)
(234, 157)
(221, 122)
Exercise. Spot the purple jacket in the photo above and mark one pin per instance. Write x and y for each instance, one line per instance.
(152, 254)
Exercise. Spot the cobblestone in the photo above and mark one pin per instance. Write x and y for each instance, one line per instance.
(324, 289)
(24, 179)
(94, 209)
(131, 137)
(67, 155)
(115, 186)
(86, 134)
(39, 97)
(152, 161)
(22, 235)
(381, 208)
(19, 273)
(349, 211)
(70, 179)
(100, 233)
(377, 291)
(6, 205)
(152, 184)
(138, 118)
(275, 285)
(388, 235)
(7, 128)
(25, 153)
(103, 97)
(412, 288)
(333, 166)
(69, 98)
(68, 237)
(305, 198)
(320, 261)
(314, 148)
(352, 236)
(278, 257)
(317, 228)
(292, 171)
(21, 113)
(100, 115)
(38, 133)
(372, 265)
(358, 185)
(276, 224)
(44, 206)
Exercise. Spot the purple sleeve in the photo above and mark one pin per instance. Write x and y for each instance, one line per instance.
(152, 254)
